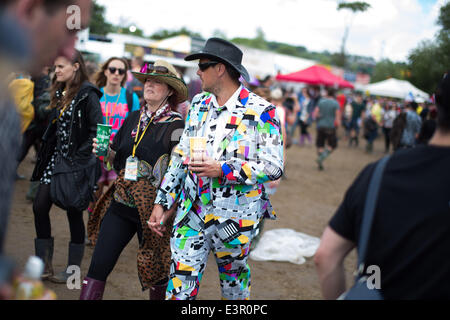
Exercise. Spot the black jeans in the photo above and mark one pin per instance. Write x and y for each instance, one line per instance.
(118, 227)
(387, 138)
(41, 208)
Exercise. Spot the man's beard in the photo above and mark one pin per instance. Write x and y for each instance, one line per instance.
(212, 89)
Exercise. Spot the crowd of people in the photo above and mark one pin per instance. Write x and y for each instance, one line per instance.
(348, 116)
(192, 172)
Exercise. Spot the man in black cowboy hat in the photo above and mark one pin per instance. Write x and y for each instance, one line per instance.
(225, 59)
(219, 187)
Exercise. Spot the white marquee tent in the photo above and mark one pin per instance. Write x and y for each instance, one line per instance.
(394, 88)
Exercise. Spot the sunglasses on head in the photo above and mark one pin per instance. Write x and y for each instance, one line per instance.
(114, 69)
(205, 65)
(157, 69)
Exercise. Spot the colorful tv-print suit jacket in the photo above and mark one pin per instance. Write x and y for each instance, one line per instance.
(250, 153)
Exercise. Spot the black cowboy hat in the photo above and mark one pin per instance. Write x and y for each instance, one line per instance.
(223, 51)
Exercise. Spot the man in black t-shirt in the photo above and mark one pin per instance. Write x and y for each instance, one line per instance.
(409, 245)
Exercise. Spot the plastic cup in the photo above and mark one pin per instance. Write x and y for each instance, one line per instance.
(103, 135)
(197, 146)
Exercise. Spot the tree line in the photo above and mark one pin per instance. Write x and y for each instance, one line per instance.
(424, 67)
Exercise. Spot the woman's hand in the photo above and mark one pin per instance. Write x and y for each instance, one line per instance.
(158, 218)
(94, 146)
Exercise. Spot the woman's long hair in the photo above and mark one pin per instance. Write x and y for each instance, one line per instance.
(80, 77)
(100, 78)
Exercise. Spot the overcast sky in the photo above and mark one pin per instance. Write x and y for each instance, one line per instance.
(389, 29)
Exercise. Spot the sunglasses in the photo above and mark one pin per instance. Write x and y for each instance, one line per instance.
(205, 65)
(157, 69)
(152, 69)
(114, 69)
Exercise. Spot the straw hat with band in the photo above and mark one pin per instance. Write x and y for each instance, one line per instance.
(220, 50)
(164, 72)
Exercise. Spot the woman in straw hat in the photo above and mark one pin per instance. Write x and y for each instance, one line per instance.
(140, 154)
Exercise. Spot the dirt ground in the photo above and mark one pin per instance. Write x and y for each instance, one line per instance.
(305, 201)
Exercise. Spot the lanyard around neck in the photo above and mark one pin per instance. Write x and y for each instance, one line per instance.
(62, 111)
(136, 140)
(64, 108)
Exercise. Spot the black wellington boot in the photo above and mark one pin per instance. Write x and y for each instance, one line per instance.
(44, 249)
(76, 252)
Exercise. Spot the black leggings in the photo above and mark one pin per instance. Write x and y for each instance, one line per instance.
(41, 209)
(118, 227)
(303, 127)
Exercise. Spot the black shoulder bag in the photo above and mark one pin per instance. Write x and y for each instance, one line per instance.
(73, 182)
(360, 290)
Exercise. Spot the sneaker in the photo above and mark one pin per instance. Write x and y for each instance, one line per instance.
(319, 163)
